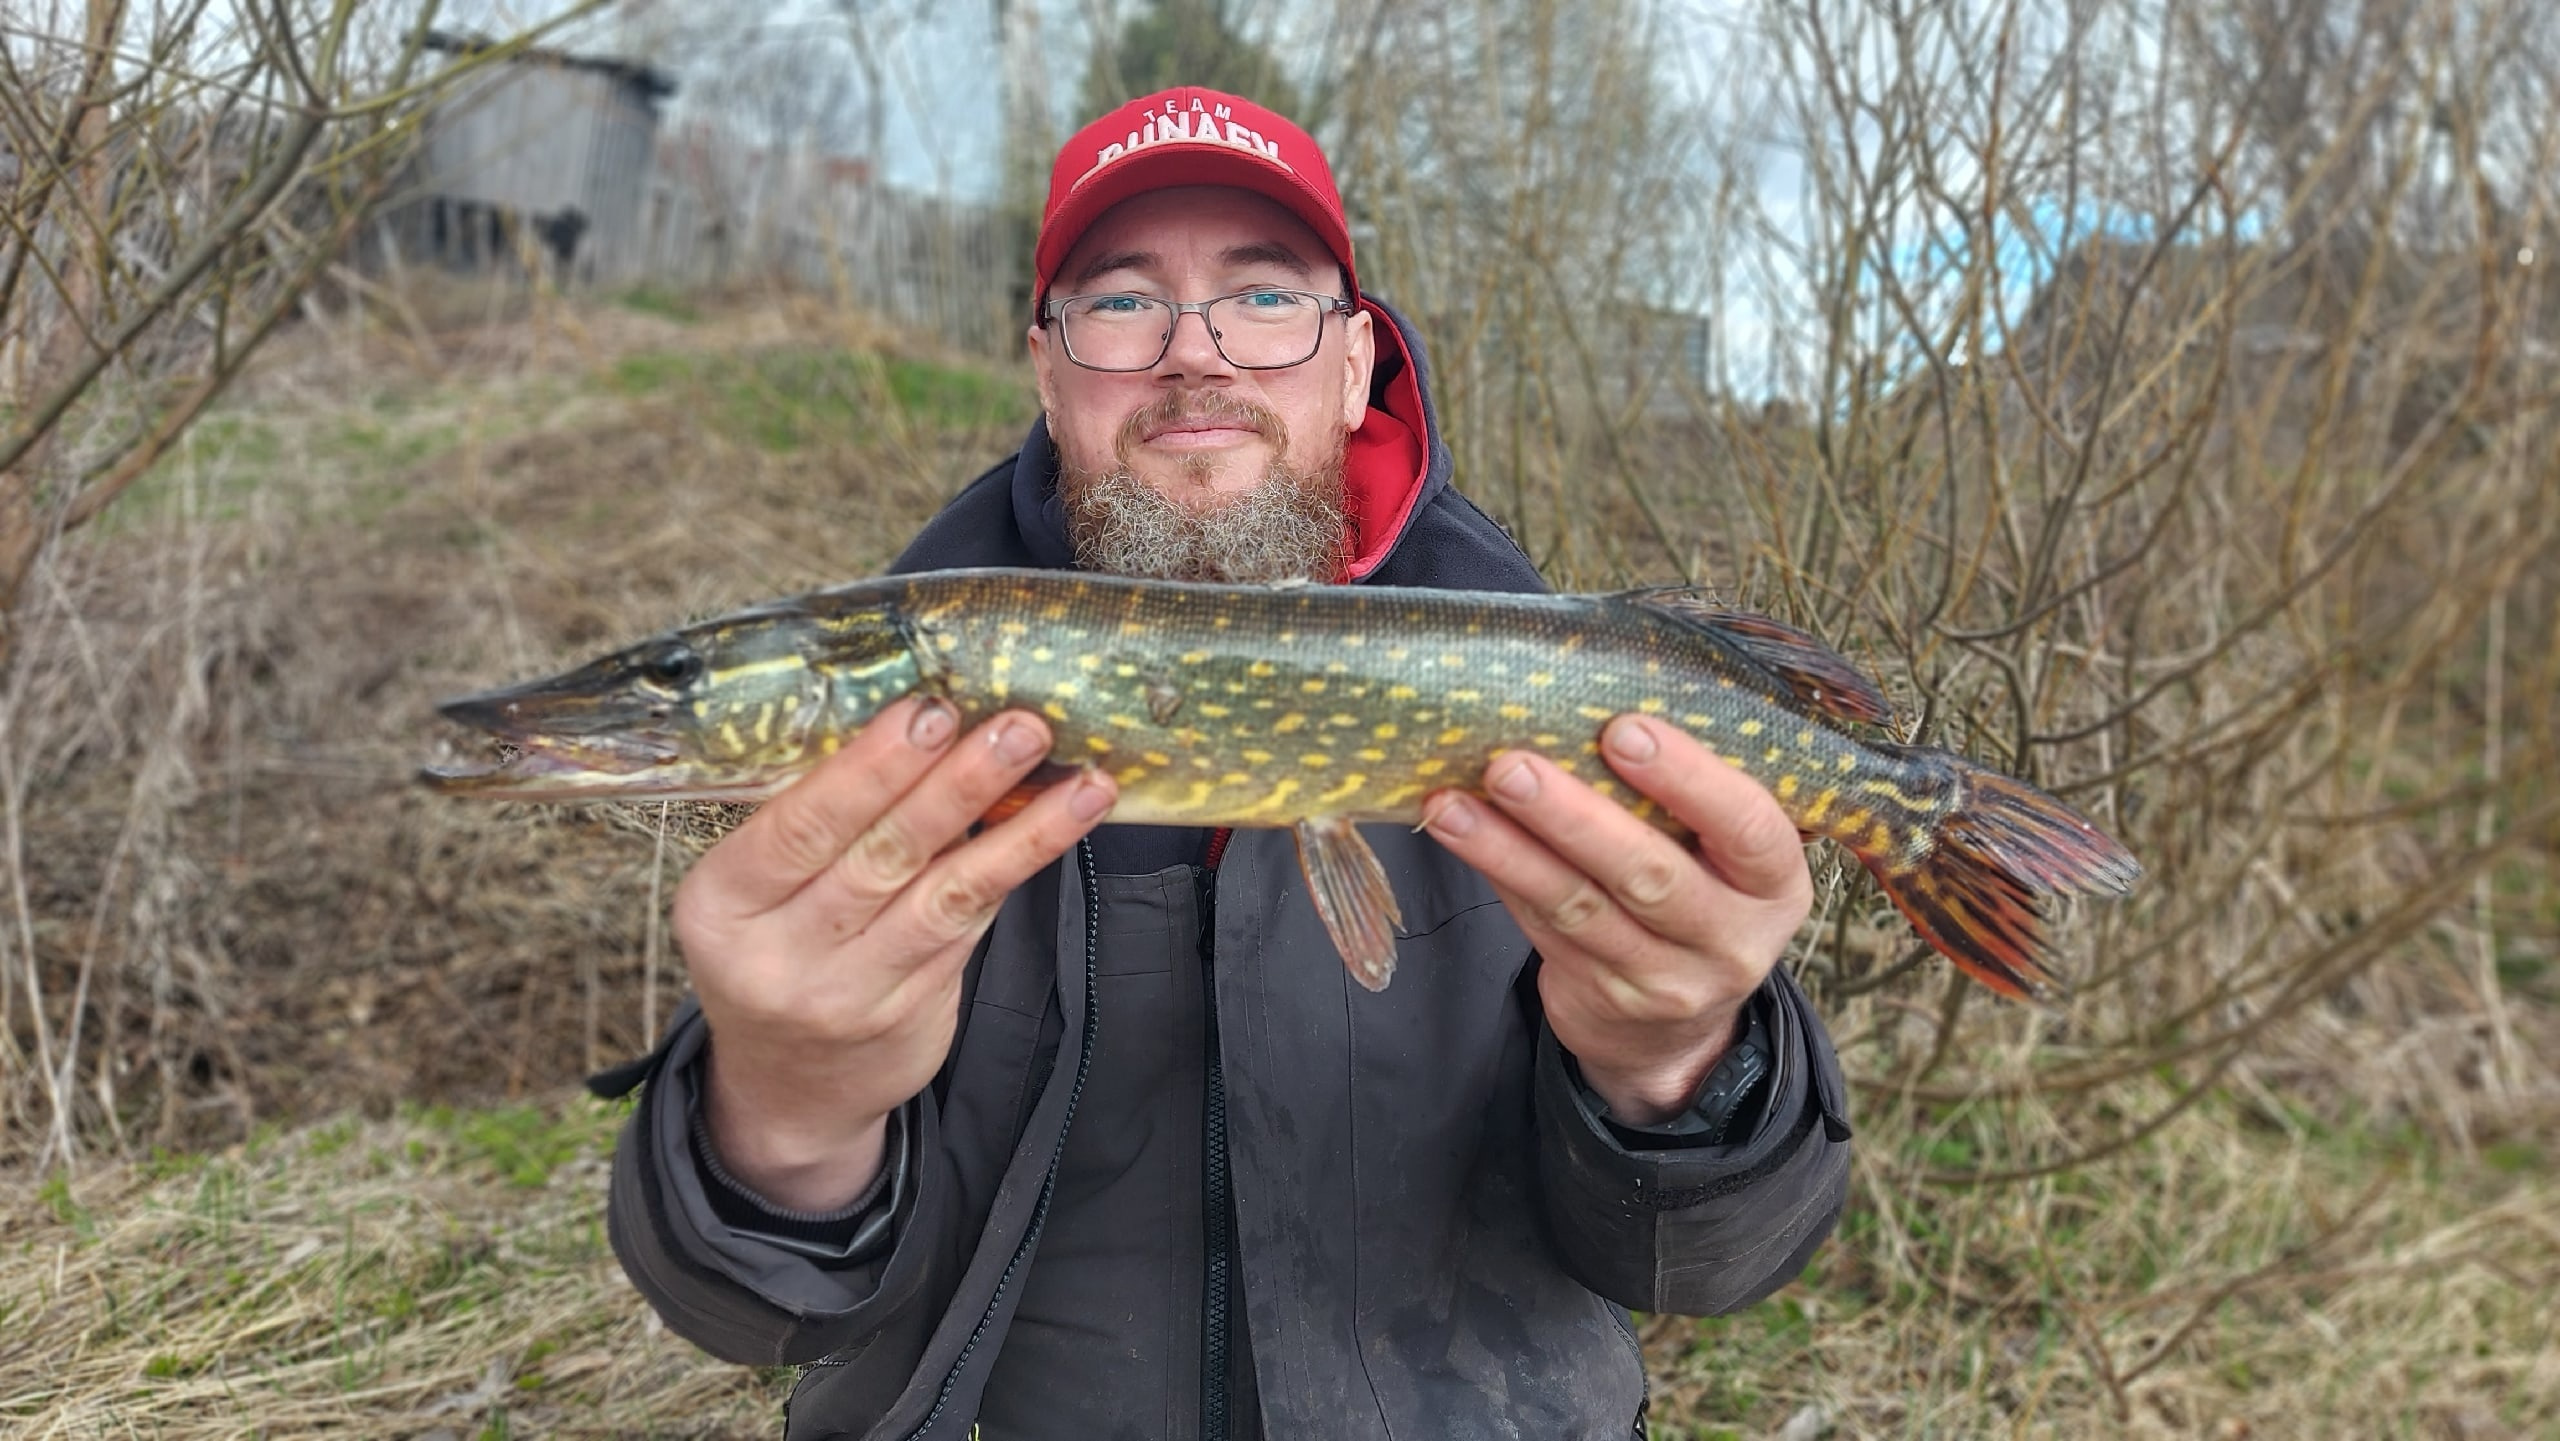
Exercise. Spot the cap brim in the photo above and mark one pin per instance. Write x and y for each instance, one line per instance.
(1164, 166)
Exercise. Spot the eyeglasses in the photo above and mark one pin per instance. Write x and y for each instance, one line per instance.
(1254, 330)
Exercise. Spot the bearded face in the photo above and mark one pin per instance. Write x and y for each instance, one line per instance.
(1287, 525)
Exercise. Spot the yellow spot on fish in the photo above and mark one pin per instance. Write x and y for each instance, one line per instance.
(1312, 687)
(1215, 712)
(1257, 758)
(1513, 710)
(1401, 692)
(1542, 677)
(729, 736)
(1065, 689)
(1452, 659)
(1000, 662)
(1398, 652)
(1650, 706)
(1124, 670)
(1451, 736)
(1372, 754)
(1879, 839)
(1749, 727)
(1466, 697)
(1845, 764)
(1279, 796)
(1043, 654)
(1315, 760)
(1546, 740)
(1089, 663)
(1130, 775)
(1053, 710)
(1235, 778)
(1217, 622)
(1287, 637)
(1786, 786)
(1384, 730)
(1012, 628)
(1821, 806)
(1133, 627)
(1429, 766)
(1355, 640)
(1697, 722)
(1156, 758)
(830, 743)
(1260, 669)
(1592, 713)
(1288, 723)
(1197, 797)
(1194, 657)
(1569, 767)
(1770, 756)
(1124, 722)
(1339, 718)
(1097, 745)
(1653, 667)
(1805, 739)
(1351, 784)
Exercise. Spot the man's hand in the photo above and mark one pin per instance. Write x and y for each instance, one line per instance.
(1649, 949)
(827, 937)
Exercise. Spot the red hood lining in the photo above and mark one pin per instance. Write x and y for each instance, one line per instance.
(1386, 462)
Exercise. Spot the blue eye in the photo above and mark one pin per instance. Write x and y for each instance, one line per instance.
(1115, 304)
(1268, 300)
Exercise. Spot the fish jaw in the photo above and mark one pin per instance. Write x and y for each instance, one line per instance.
(568, 739)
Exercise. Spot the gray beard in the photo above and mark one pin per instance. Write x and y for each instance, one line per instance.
(1289, 526)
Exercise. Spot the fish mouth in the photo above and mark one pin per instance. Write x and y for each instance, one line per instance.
(526, 752)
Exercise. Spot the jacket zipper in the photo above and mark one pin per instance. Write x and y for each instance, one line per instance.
(1049, 1181)
(1214, 1183)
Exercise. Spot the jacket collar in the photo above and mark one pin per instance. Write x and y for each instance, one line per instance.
(1392, 466)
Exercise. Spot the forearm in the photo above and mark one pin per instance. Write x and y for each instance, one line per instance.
(1644, 1090)
(788, 1135)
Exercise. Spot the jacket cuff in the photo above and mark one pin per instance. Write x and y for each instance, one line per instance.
(1705, 1228)
(750, 1293)
(855, 1231)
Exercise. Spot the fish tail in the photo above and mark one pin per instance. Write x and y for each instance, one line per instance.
(1979, 887)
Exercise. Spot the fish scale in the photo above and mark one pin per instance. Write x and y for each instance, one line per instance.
(1314, 708)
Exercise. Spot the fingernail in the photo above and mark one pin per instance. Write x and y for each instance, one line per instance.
(1015, 742)
(1454, 817)
(933, 725)
(1633, 740)
(1518, 781)
(1090, 799)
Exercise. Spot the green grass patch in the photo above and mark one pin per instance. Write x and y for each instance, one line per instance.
(793, 398)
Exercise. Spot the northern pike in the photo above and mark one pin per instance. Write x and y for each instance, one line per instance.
(1313, 707)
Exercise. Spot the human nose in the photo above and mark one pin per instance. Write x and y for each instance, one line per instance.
(1191, 350)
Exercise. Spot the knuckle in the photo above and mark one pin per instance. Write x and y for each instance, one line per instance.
(802, 834)
(888, 853)
(1653, 880)
(1764, 833)
(1580, 909)
(958, 903)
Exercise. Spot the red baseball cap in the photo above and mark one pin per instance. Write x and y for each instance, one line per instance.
(1186, 136)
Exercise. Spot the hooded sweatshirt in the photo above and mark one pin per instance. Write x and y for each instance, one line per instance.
(1181, 1178)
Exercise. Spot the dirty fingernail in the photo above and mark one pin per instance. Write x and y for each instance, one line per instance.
(1517, 781)
(1015, 742)
(1633, 740)
(1090, 800)
(1455, 816)
(932, 725)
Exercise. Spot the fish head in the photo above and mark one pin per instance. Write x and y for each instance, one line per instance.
(728, 709)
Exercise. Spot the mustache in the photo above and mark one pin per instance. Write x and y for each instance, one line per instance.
(1180, 407)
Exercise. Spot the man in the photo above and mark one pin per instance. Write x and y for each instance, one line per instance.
(1037, 1130)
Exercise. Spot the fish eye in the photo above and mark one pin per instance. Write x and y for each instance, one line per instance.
(672, 666)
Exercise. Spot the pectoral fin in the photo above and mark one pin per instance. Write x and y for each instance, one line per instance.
(1352, 897)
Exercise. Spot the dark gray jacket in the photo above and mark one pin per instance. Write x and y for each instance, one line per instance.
(1180, 1175)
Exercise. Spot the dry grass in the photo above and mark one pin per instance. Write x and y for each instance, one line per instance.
(439, 1274)
(2322, 1219)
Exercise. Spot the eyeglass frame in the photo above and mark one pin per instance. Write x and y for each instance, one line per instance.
(1334, 305)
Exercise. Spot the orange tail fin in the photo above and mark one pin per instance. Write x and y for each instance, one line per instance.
(1979, 894)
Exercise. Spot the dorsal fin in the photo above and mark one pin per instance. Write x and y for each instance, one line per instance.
(1808, 671)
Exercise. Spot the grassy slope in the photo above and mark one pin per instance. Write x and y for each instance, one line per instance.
(2248, 1270)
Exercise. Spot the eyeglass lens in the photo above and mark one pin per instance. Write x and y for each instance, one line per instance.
(1258, 330)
